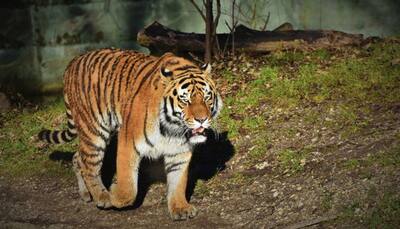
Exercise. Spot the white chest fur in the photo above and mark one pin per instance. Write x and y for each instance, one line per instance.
(161, 146)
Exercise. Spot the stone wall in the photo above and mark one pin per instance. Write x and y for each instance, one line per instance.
(38, 40)
(39, 37)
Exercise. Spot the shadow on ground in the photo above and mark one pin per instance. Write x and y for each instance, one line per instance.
(207, 160)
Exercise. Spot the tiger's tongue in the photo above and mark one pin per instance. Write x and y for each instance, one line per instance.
(198, 130)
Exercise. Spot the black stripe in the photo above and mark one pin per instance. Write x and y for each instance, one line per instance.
(98, 64)
(163, 129)
(174, 113)
(173, 166)
(193, 71)
(114, 80)
(54, 137)
(70, 125)
(127, 61)
(215, 106)
(110, 79)
(185, 85)
(78, 79)
(95, 163)
(167, 117)
(146, 137)
(135, 148)
(185, 67)
(183, 80)
(44, 135)
(102, 69)
(201, 82)
(129, 75)
(64, 136)
(70, 134)
(191, 77)
(48, 136)
(148, 74)
(82, 66)
(87, 60)
(172, 170)
(143, 67)
(144, 79)
(104, 128)
(145, 128)
(96, 61)
(90, 127)
(68, 115)
(91, 144)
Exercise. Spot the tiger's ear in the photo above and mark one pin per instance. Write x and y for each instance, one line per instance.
(166, 72)
(206, 68)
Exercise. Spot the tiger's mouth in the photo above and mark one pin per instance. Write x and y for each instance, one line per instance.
(198, 131)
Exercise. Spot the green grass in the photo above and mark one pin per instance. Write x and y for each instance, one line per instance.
(292, 161)
(386, 158)
(259, 149)
(333, 89)
(383, 213)
(386, 213)
(202, 188)
(327, 200)
(20, 155)
(239, 179)
(383, 158)
(356, 80)
(352, 163)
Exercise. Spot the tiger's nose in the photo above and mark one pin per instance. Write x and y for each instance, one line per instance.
(201, 120)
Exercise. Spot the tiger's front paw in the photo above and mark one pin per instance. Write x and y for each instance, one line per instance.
(121, 198)
(183, 213)
(103, 201)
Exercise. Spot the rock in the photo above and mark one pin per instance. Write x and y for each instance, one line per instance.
(395, 62)
(314, 140)
(300, 204)
(4, 103)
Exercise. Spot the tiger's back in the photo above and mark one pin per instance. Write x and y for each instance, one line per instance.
(158, 106)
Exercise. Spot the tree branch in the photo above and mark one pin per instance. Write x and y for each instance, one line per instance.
(312, 222)
(216, 20)
(198, 9)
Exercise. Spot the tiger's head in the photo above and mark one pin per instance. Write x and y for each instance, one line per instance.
(190, 101)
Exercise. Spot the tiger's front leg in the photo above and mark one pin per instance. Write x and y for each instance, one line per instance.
(176, 168)
(124, 189)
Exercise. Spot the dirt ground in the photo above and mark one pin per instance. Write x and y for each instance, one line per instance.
(326, 164)
(258, 198)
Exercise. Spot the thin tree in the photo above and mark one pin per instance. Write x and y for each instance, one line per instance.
(211, 24)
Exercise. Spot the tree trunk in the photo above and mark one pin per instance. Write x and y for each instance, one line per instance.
(159, 39)
(209, 32)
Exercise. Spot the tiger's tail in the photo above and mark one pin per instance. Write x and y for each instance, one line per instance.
(60, 136)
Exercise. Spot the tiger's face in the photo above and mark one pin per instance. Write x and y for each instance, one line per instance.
(191, 101)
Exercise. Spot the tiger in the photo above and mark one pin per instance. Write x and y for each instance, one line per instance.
(158, 107)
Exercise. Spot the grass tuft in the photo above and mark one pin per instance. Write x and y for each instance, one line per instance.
(20, 154)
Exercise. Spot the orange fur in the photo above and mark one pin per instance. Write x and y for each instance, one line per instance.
(158, 106)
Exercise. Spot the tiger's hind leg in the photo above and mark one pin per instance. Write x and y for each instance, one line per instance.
(91, 154)
(83, 191)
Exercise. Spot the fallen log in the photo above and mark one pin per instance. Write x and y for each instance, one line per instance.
(159, 39)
